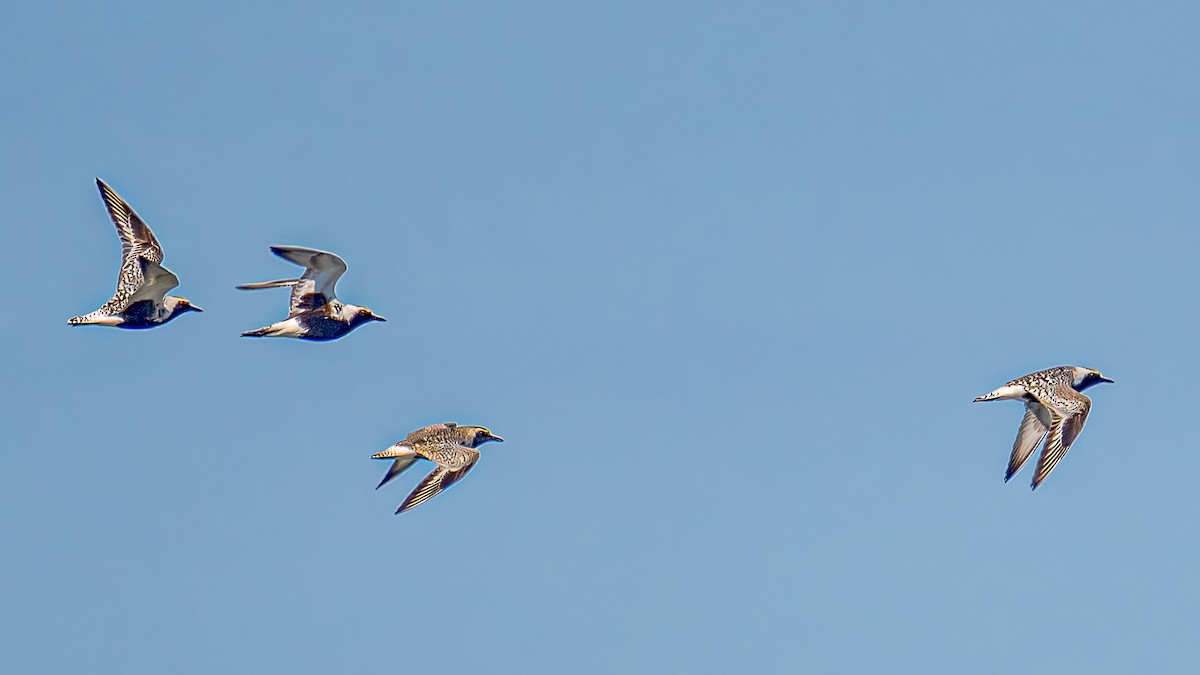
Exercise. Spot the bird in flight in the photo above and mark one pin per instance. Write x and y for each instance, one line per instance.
(141, 299)
(450, 446)
(1054, 411)
(314, 312)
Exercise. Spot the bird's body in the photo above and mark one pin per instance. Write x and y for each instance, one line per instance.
(1055, 410)
(314, 312)
(141, 299)
(448, 445)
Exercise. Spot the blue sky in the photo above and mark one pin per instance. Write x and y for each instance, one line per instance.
(726, 278)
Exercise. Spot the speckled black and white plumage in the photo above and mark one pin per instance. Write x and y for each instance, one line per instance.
(314, 312)
(1055, 410)
(141, 299)
(450, 446)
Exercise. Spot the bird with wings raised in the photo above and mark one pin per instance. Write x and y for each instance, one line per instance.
(1055, 410)
(450, 446)
(314, 312)
(141, 299)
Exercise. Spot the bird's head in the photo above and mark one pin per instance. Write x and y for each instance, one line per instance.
(179, 305)
(481, 435)
(363, 315)
(1082, 378)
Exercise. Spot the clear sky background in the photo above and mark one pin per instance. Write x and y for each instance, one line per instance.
(726, 278)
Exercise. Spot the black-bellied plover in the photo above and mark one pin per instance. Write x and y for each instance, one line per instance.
(314, 312)
(453, 449)
(141, 300)
(1054, 410)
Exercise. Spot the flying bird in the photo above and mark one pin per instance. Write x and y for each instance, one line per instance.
(141, 300)
(1054, 411)
(314, 312)
(453, 449)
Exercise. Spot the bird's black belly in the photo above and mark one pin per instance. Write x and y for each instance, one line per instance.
(323, 328)
(141, 314)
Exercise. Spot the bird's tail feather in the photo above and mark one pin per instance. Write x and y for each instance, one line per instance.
(287, 328)
(94, 318)
(404, 456)
(396, 450)
(269, 284)
(1007, 392)
(265, 331)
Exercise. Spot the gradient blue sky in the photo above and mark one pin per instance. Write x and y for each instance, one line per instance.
(726, 277)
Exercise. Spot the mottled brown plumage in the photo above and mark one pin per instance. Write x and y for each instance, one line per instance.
(450, 446)
(1055, 410)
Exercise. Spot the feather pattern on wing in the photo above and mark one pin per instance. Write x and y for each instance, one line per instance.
(1033, 429)
(135, 234)
(315, 289)
(313, 293)
(1067, 420)
(139, 249)
(439, 479)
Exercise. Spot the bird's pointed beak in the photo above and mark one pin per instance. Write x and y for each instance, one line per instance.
(195, 308)
(493, 437)
(378, 318)
(1105, 379)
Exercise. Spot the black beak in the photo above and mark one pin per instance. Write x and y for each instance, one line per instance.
(377, 317)
(495, 438)
(195, 308)
(1105, 379)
